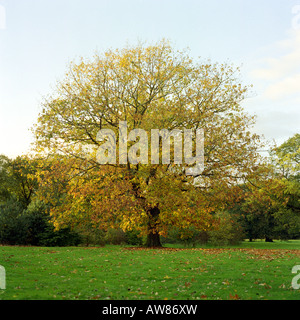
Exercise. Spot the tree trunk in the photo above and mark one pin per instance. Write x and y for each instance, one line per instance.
(153, 240)
(268, 239)
(153, 237)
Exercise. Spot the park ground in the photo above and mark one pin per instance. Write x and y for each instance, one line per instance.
(250, 271)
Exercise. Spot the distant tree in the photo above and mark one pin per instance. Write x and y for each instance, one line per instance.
(18, 178)
(286, 158)
(4, 178)
(271, 207)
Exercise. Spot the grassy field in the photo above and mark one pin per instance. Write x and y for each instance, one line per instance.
(255, 271)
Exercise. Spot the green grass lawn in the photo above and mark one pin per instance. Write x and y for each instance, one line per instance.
(255, 270)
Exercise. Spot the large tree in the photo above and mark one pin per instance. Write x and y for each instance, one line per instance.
(149, 87)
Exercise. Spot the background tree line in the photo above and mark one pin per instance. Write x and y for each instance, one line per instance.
(268, 209)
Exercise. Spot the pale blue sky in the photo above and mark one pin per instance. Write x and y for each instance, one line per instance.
(41, 37)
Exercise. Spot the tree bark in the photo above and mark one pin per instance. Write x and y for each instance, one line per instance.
(153, 237)
(268, 239)
(153, 240)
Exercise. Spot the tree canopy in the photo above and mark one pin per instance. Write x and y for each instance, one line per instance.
(149, 87)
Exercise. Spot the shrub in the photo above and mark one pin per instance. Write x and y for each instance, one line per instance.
(91, 235)
(13, 228)
(133, 238)
(41, 232)
(229, 231)
(203, 237)
(115, 236)
(59, 238)
(189, 237)
(31, 226)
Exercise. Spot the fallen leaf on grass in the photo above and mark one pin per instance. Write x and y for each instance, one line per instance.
(234, 297)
